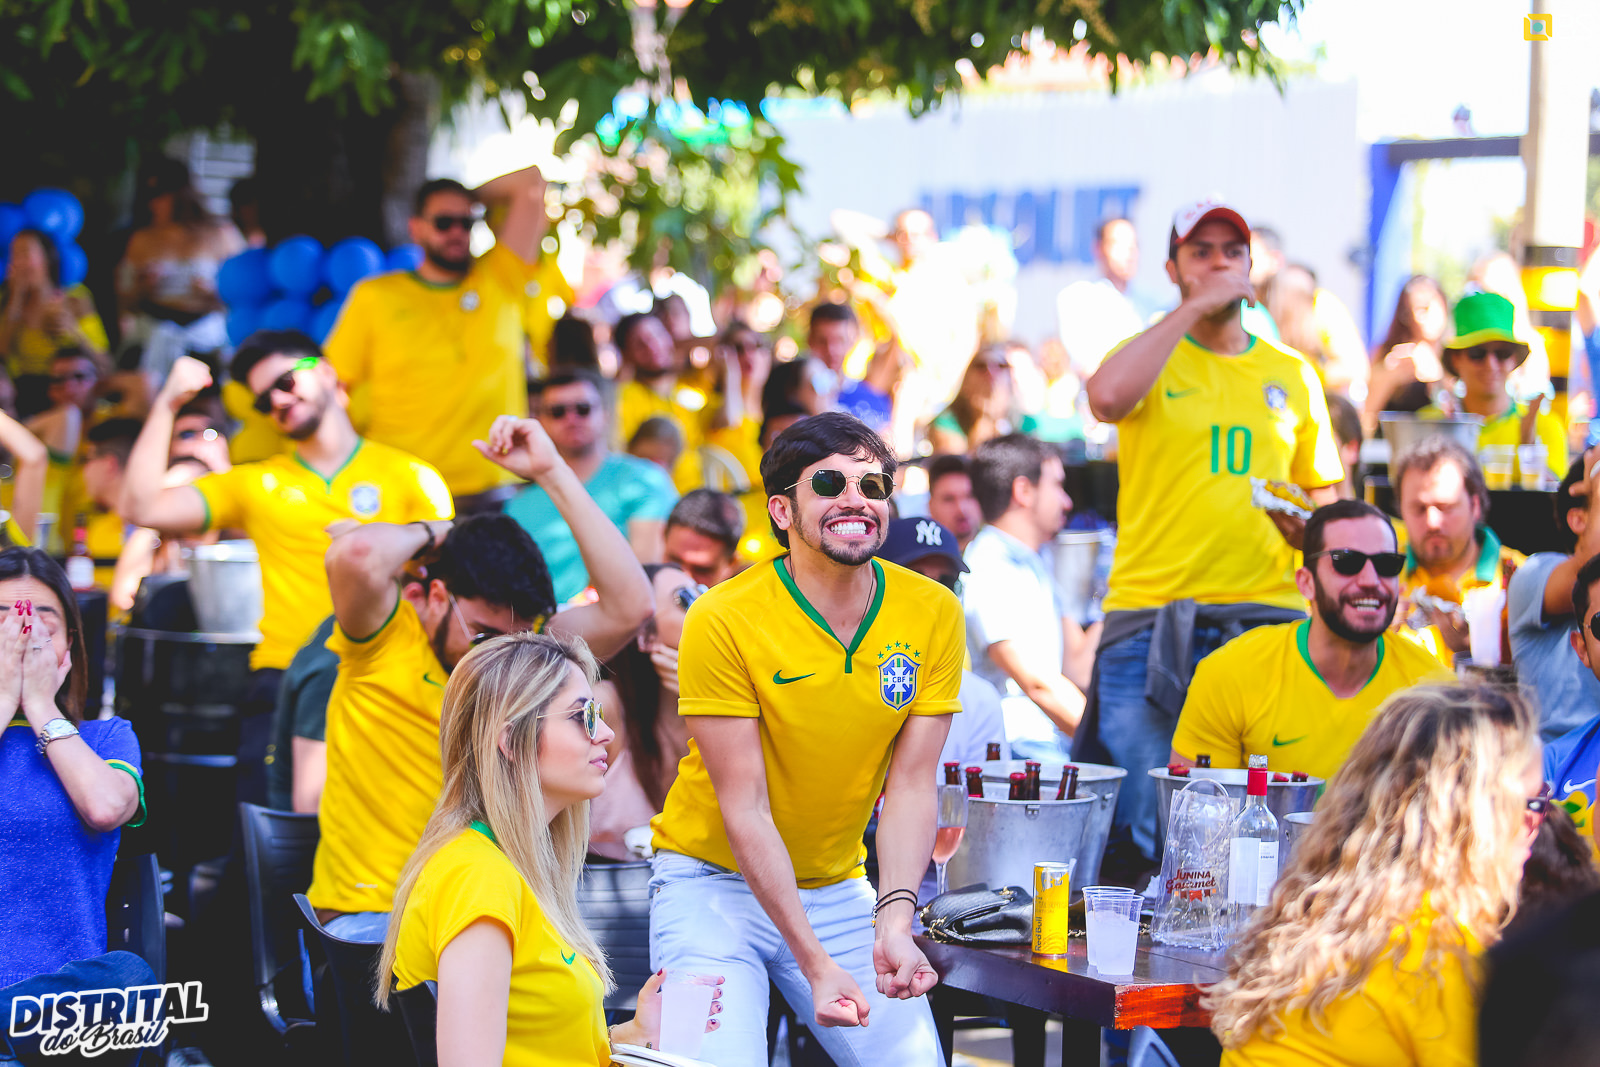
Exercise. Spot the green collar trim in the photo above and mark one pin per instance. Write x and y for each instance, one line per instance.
(816, 616)
(1302, 640)
(1248, 346)
(328, 481)
(426, 284)
(1488, 556)
(483, 828)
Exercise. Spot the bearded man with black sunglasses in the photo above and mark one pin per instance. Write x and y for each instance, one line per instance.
(1301, 693)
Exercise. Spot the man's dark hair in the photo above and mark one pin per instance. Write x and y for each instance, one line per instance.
(438, 185)
(76, 352)
(812, 440)
(492, 558)
(115, 437)
(622, 332)
(1428, 454)
(572, 343)
(263, 343)
(1335, 512)
(207, 406)
(998, 463)
(1588, 574)
(946, 465)
(1566, 503)
(1105, 224)
(832, 313)
(711, 514)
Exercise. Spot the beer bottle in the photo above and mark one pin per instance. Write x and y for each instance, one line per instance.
(952, 773)
(975, 782)
(1299, 776)
(1068, 789)
(1203, 760)
(79, 564)
(1019, 786)
(1031, 769)
(994, 751)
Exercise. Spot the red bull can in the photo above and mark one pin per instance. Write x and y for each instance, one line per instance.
(1052, 887)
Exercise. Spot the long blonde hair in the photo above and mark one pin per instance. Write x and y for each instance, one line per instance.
(508, 681)
(1426, 813)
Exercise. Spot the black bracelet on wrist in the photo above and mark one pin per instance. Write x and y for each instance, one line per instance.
(892, 896)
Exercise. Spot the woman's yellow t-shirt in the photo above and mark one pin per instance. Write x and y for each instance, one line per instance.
(556, 1015)
(1402, 1016)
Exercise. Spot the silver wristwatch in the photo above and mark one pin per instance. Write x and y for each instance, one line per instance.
(55, 730)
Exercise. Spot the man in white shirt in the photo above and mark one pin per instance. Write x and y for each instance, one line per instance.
(1094, 314)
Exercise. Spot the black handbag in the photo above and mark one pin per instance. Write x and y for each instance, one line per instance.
(980, 916)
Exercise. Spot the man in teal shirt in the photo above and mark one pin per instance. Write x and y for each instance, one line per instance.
(635, 494)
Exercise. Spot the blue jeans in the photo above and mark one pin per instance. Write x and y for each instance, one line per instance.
(114, 970)
(1137, 733)
(368, 926)
(705, 920)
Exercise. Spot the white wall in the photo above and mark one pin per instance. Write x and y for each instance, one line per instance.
(1293, 162)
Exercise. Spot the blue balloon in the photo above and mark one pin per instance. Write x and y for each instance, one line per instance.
(74, 265)
(243, 320)
(323, 318)
(56, 212)
(405, 257)
(12, 219)
(289, 313)
(295, 265)
(243, 280)
(349, 261)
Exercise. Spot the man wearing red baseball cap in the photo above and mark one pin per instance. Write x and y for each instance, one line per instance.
(1202, 408)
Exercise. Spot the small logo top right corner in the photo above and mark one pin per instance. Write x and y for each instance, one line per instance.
(1537, 27)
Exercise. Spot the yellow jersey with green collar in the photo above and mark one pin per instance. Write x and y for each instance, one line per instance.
(1260, 694)
(384, 774)
(1186, 454)
(754, 647)
(1496, 562)
(285, 507)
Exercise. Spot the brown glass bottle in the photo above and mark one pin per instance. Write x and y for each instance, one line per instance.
(1068, 789)
(1203, 761)
(975, 782)
(1019, 786)
(1031, 769)
(952, 773)
(994, 751)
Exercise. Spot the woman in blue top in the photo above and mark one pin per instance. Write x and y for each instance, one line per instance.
(71, 785)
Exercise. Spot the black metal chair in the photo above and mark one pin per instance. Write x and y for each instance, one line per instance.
(419, 1010)
(278, 850)
(136, 912)
(614, 899)
(365, 1034)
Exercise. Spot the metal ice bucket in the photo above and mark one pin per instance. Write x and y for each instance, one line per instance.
(225, 586)
(1404, 431)
(1291, 828)
(1282, 797)
(1074, 555)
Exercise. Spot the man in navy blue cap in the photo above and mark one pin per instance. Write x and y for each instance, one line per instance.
(926, 547)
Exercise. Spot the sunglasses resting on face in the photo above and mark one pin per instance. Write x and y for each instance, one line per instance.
(874, 485)
(283, 384)
(557, 412)
(1349, 562)
(446, 223)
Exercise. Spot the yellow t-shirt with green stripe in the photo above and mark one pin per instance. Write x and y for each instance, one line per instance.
(1186, 454)
(1260, 694)
(556, 1013)
(754, 647)
(384, 774)
(285, 507)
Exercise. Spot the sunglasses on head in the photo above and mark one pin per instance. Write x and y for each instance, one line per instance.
(283, 384)
(1541, 804)
(873, 485)
(1504, 353)
(583, 409)
(446, 223)
(1349, 562)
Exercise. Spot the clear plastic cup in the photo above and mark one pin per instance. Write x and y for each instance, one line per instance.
(1498, 463)
(1531, 466)
(685, 1009)
(1112, 918)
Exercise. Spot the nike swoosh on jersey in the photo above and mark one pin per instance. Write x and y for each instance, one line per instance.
(430, 681)
(1293, 740)
(777, 676)
(568, 959)
(1182, 393)
(1568, 788)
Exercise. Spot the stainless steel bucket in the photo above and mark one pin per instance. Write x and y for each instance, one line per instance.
(1291, 828)
(44, 528)
(225, 586)
(1404, 431)
(1096, 782)
(1074, 555)
(1005, 838)
(1282, 797)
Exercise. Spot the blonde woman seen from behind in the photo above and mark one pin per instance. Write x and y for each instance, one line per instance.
(487, 905)
(1368, 954)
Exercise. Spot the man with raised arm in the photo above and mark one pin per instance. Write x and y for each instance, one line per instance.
(812, 684)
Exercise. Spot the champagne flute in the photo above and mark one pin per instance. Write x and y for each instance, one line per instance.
(952, 825)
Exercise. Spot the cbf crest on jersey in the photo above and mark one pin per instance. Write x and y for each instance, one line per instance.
(1276, 395)
(365, 499)
(897, 675)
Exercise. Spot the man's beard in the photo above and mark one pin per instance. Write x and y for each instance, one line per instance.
(1331, 613)
(307, 428)
(437, 642)
(454, 266)
(851, 555)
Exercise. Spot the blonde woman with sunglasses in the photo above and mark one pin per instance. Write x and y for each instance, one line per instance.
(487, 906)
(1369, 952)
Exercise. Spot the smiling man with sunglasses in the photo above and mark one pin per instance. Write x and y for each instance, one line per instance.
(812, 684)
(441, 349)
(1301, 693)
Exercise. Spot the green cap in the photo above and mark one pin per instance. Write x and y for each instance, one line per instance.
(1482, 317)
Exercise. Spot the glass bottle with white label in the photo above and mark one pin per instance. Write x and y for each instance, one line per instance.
(1253, 853)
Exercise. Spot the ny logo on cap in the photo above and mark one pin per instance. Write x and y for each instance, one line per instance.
(928, 533)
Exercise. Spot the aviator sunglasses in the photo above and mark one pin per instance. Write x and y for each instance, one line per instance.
(283, 384)
(1349, 562)
(874, 485)
(446, 223)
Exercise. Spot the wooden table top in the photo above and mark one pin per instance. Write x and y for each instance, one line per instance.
(1163, 991)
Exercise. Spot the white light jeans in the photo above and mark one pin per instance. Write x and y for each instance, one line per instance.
(705, 920)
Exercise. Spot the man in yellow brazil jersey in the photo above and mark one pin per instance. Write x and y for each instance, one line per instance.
(811, 684)
(284, 503)
(1301, 693)
(399, 634)
(1201, 407)
(442, 350)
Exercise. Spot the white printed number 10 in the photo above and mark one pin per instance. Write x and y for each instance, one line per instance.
(1238, 449)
